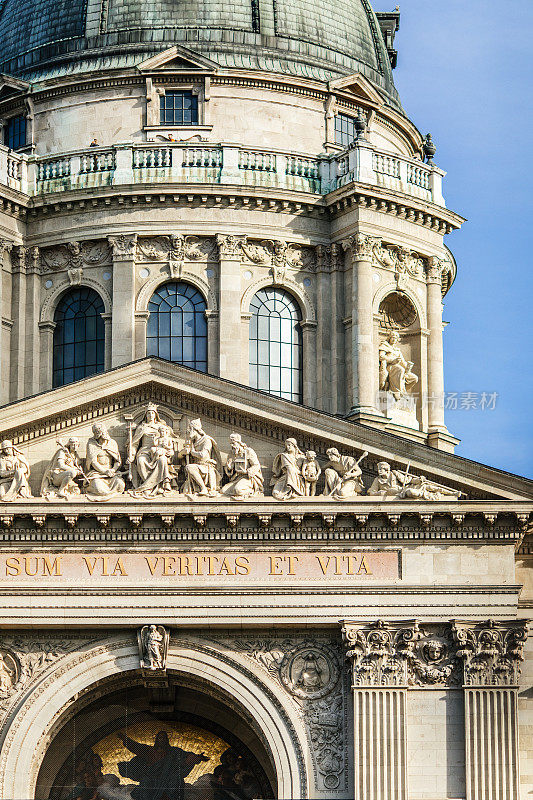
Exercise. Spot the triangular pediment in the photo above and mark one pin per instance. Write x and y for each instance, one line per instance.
(263, 421)
(10, 86)
(177, 58)
(358, 86)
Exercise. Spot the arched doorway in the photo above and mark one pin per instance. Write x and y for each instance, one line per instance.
(91, 697)
(171, 740)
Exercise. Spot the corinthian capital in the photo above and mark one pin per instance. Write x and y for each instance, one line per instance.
(375, 658)
(230, 246)
(5, 244)
(362, 246)
(490, 652)
(124, 245)
(436, 268)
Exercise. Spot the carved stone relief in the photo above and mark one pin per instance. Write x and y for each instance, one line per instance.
(24, 657)
(309, 670)
(280, 256)
(73, 256)
(384, 654)
(175, 250)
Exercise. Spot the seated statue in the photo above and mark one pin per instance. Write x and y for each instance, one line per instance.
(287, 479)
(203, 464)
(386, 484)
(395, 373)
(243, 470)
(14, 473)
(343, 475)
(64, 472)
(102, 465)
(151, 451)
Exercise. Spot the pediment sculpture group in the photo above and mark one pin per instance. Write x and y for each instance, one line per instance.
(156, 465)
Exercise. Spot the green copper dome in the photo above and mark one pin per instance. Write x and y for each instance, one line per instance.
(320, 39)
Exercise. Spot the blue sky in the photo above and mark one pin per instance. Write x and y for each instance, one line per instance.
(464, 74)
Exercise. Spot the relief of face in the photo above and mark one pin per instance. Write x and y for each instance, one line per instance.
(150, 416)
(383, 470)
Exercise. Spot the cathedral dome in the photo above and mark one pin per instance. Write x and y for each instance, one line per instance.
(318, 39)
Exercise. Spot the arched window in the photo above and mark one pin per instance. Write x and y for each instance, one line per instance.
(79, 336)
(177, 327)
(276, 344)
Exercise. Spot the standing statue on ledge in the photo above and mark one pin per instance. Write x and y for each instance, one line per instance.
(243, 470)
(63, 472)
(152, 646)
(395, 373)
(311, 472)
(343, 475)
(102, 465)
(14, 473)
(151, 450)
(287, 479)
(203, 464)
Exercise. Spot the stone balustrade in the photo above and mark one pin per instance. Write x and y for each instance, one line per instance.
(177, 162)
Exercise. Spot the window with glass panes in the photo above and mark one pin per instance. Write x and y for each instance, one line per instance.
(276, 344)
(344, 130)
(178, 108)
(177, 327)
(15, 133)
(79, 336)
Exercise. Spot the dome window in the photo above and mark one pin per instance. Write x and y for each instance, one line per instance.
(15, 132)
(178, 108)
(276, 344)
(344, 130)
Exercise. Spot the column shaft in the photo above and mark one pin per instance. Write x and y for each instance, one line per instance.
(380, 744)
(491, 740)
(435, 348)
(18, 301)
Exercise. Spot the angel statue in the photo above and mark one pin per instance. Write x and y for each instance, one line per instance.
(150, 453)
(152, 644)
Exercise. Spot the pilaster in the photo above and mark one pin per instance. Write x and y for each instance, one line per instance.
(122, 323)
(491, 653)
(231, 357)
(379, 684)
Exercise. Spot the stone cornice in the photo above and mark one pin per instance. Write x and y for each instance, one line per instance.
(261, 520)
(420, 212)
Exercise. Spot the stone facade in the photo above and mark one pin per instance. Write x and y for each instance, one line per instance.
(310, 599)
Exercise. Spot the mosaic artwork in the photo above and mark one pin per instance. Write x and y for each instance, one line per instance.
(153, 760)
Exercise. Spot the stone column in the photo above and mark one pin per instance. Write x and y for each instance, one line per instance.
(379, 684)
(5, 246)
(435, 350)
(33, 304)
(18, 314)
(122, 322)
(233, 363)
(47, 354)
(491, 653)
(362, 350)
